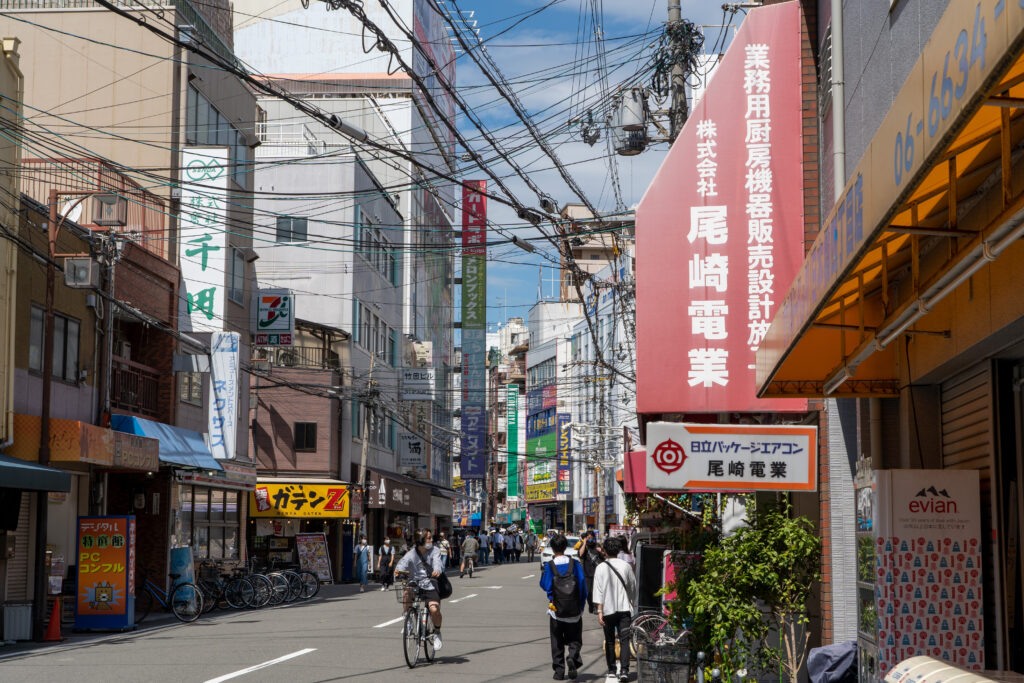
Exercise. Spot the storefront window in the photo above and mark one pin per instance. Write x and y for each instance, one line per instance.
(208, 521)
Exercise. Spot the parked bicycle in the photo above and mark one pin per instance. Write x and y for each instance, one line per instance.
(651, 628)
(185, 599)
(416, 635)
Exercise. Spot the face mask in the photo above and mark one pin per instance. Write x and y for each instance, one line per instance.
(428, 546)
(591, 542)
(362, 542)
(387, 542)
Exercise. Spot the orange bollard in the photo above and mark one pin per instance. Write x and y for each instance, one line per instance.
(53, 628)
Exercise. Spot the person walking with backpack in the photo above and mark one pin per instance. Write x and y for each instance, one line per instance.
(386, 564)
(614, 587)
(517, 546)
(566, 587)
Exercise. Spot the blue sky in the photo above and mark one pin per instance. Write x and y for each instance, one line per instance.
(556, 78)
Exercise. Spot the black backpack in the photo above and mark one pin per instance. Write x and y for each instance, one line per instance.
(566, 591)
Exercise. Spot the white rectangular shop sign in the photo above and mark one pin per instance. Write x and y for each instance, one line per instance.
(203, 238)
(273, 313)
(223, 395)
(418, 384)
(715, 457)
(412, 451)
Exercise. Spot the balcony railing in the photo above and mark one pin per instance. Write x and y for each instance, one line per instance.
(297, 357)
(146, 211)
(134, 387)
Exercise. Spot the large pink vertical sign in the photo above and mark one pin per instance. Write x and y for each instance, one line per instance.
(720, 230)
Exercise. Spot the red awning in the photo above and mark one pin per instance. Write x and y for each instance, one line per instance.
(634, 474)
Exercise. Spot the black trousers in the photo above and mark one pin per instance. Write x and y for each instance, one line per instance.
(565, 635)
(617, 622)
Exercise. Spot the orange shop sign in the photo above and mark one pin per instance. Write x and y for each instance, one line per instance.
(106, 572)
(300, 500)
(70, 441)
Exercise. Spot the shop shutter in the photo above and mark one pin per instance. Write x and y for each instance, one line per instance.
(968, 443)
(17, 566)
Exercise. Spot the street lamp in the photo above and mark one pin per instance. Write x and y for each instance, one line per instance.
(52, 230)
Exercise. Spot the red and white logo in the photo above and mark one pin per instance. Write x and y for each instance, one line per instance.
(668, 456)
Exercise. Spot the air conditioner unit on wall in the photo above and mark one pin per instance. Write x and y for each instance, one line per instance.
(81, 273)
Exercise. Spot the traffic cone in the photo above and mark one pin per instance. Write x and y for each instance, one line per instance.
(53, 628)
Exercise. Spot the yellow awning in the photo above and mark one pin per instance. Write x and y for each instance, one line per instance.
(931, 202)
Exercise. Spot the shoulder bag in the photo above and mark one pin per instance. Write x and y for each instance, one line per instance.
(444, 586)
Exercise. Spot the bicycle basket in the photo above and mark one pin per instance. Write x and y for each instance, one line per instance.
(400, 589)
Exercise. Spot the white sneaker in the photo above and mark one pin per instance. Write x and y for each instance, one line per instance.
(383, 588)
(437, 641)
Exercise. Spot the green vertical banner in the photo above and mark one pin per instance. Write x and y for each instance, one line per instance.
(512, 440)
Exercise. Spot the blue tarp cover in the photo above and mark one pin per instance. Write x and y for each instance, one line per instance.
(178, 446)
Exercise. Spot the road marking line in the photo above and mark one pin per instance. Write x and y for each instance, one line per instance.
(529, 576)
(465, 597)
(494, 588)
(388, 623)
(264, 665)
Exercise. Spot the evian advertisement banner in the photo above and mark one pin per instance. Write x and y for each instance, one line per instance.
(711, 457)
(720, 230)
(928, 567)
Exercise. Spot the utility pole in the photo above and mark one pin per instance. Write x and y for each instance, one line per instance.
(366, 440)
(679, 110)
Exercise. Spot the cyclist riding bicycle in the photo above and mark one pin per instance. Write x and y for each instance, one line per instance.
(469, 550)
(423, 564)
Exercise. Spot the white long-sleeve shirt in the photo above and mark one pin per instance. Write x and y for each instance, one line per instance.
(609, 591)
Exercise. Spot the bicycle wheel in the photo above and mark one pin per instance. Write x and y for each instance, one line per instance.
(263, 588)
(211, 595)
(310, 584)
(280, 588)
(411, 637)
(428, 640)
(187, 602)
(643, 630)
(294, 586)
(143, 605)
(238, 593)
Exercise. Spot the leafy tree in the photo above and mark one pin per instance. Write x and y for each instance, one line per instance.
(757, 580)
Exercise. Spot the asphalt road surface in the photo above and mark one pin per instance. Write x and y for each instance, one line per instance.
(495, 629)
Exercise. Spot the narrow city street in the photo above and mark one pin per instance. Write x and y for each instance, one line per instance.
(495, 629)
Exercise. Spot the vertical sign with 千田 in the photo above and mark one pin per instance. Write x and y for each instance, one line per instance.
(474, 329)
(273, 313)
(203, 238)
(564, 448)
(106, 573)
(223, 399)
(512, 439)
(722, 223)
